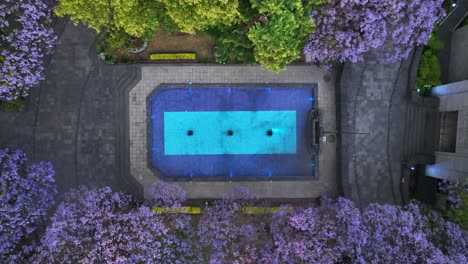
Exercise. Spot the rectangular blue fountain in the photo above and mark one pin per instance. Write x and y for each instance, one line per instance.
(249, 132)
(249, 111)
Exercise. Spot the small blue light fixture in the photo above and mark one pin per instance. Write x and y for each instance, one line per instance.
(269, 174)
(311, 98)
(269, 90)
(154, 149)
(153, 117)
(230, 173)
(229, 90)
(412, 168)
(311, 164)
(418, 90)
(191, 174)
(190, 91)
(454, 5)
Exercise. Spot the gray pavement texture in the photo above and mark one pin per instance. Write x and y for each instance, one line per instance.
(373, 100)
(458, 56)
(73, 119)
(446, 29)
(385, 128)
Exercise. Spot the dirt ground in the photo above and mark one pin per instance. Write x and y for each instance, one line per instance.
(201, 43)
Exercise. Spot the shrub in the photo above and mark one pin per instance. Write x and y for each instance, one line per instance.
(14, 106)
(233, 45)
(26, 194)
(173, 56)
(457, 191)
(429, 67)
(109, 42)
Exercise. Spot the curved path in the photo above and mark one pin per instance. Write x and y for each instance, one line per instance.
(74, 118)
(373, 100)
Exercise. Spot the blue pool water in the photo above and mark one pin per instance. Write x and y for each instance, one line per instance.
(236, 131)
(248, 132)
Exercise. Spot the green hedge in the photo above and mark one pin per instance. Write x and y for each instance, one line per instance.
(429, 66)
(173, 56)
(13, 106)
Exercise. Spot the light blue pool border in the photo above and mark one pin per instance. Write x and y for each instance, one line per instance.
(313, 86)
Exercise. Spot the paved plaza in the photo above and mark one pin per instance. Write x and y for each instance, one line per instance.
(89, 119)
(85, 120)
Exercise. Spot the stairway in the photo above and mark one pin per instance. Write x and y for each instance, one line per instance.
(131, 77)
(421, 130)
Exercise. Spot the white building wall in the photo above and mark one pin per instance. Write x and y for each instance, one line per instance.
(453, 97)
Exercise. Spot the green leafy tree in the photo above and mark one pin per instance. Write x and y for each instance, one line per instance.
(275, 42)
(137, 18)
(192, 15)
(95, 14)
(429, 66)
(234, 46)
(280, 31)
(429, 70)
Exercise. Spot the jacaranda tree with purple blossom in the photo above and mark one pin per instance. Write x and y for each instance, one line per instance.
(101, 226)
(390, 29)
(72, 236)
(228, 235)
(397, 235)
(450, 239)
(26, 37)
(457, 200)
(26, 194)
(330, 233)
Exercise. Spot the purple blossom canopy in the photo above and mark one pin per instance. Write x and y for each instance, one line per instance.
(100, 226)
(26, 36)
(390, 29)
(26, 194)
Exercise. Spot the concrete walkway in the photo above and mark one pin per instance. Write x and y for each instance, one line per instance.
(71, 119)
(373, 101)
